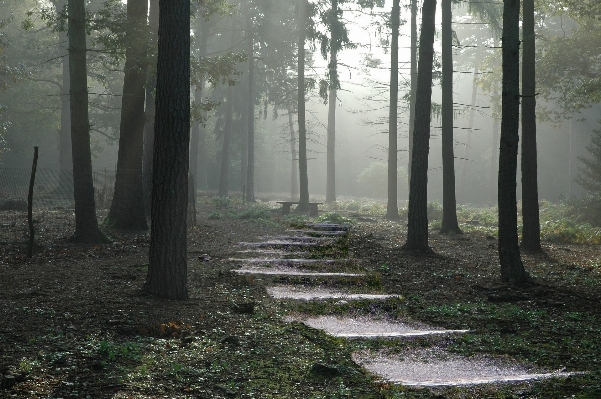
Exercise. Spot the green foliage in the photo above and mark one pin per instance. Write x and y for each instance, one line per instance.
(374, 179)
(335, 218)
(221, 201)
(590, 173)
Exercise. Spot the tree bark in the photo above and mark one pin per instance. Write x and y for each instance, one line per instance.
(413, 85)
(449, 201)
(86, 223)
(530, 209)
(127, 208)
(468, 141)
(417, 228)
(512, 269)
(224, 171)
(167, 269)
(492, 192)
(392, 211)
(302, 129)
(294, 166)
(151, 83)
(331, 135)
(250, 161)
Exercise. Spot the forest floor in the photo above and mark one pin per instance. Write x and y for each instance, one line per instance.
(74, 321)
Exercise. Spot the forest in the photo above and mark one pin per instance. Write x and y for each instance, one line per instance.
(300, 199)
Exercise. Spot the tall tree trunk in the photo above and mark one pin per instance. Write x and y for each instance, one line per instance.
(468, 141)
(151, 83)
(449, 201)
(413, 85)
(167, 270)
(530, 210)
(417, 228)
(512, 269)
(294, 166)
(250, 161)
(127, 208)
(196, 140)
(65, 158)
(302, 129)
(224, 171)
(86, 224)
(492, 189)
(392, 211)
(331, 135)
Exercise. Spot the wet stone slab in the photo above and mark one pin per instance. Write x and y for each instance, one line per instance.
(309, 294)
(367, 328)
(298, 239)
(323, 233)
(279, 244)
(291, 271)
(284, 261)
(422, 368)
(327, 227)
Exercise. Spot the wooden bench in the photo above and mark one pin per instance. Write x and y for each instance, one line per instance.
(287, 204)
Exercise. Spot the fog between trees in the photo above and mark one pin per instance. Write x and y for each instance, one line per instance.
(31, 101)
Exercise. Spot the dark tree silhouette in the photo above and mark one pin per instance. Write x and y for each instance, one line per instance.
(449, 201)
(530, 209)
(417, 231)
(250, 162)
(302, 128)
(413, 85)
(86, 224)
(392, 210)
(224, 171)
(127, 208)
(167, 269)
(512, 268)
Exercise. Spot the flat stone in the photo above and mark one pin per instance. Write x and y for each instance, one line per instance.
(328, 226)
(367, 328)
(278, 244)
(326, 233)
(292, 272)
(298, 239)
(421, 368)
(308, 294)
(283, 261)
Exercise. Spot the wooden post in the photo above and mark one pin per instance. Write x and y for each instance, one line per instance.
(30, 203)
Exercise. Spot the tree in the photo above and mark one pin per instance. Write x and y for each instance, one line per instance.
(590, 172)
(226, 144)
(167, 269)
(392, 210)
(302, 128)
(86, 224)
(250, 162)
(413, 71)
(449, 201)
(417, 231)
(530, 210)
(512, 268)
(127, 208)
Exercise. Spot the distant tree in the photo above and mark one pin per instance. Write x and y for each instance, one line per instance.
(590, 172)
(86, 223)
(127, 208)
(302, 128)
(392, 210)
(250, 122)
(417, 231)
(449, 200)
(530, 209)
(413, 71)
(167, 269)
(226, 143)
(512, 268)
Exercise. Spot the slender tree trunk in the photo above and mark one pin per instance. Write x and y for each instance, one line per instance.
(65, 158)
(468, 141)
(512, 269)
(449, 201)
(417, 228)
(413, 85)
(86, 224)
(127, 208)
(294, 166)
(250, 165)
(226, 146)
(331, 135)
(167, 270)
(492, 189)
(196, 140)
(392, 211)
(302, 129)
(151, 83)
(530, 210)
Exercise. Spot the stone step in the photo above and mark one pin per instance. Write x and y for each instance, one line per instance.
(419, 368)
(326, 233)
(328, 227)
(290, 271)
(298, 239)
(308, 294)
(278, 244)
(368, 328)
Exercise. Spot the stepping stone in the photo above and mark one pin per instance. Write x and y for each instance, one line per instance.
(326, 233)
(308, 294)
(279, 244)
(292, 272)
(367, 328)
(284, 262)
(420, 369)
(328, 227)
(298, 239)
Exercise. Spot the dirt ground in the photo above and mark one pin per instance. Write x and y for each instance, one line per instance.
(75, 323)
